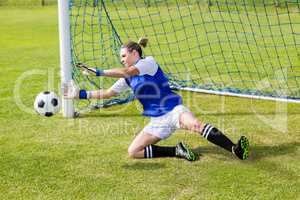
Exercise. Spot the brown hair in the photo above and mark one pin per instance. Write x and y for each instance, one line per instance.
(131, 45)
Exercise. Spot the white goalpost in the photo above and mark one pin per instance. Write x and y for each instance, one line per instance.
(65, 54)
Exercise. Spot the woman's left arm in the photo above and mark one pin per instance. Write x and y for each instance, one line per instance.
(121, 72)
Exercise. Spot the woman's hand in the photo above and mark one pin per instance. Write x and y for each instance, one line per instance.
(71, 90)
(89, 70)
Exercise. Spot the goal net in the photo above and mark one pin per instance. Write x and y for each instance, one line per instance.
(245, 48)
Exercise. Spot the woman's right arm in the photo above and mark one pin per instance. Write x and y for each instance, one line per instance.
(114, 90)
(72, 91)
(102, 94)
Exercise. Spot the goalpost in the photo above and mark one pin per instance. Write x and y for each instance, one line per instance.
(247, 48)
(65, 54)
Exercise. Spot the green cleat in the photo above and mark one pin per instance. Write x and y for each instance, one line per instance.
(241, 149)
(183, 151)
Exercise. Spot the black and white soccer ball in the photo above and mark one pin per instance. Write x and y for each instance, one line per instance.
(47, 103)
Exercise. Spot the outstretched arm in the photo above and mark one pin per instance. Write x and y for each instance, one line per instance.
(116, 73)
(114, 90)
(121, 72)
(102, 94)
(72, 91)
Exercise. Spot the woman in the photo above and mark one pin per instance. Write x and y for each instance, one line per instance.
(164, 107)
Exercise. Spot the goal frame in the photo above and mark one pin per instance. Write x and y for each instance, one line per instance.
(68, 109)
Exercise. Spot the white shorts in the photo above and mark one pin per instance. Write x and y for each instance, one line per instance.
(163, 126)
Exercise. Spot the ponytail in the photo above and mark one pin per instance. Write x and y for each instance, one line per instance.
(130, 45)
(143, 41)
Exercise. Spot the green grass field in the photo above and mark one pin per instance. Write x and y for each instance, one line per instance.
(86, 158)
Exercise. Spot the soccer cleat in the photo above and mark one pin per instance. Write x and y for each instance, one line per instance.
(241, 149)
(183, 151)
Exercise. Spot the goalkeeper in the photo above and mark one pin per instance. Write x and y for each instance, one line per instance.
(164, 107)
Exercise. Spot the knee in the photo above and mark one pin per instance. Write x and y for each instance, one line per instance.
(132, 152)
(196, 126)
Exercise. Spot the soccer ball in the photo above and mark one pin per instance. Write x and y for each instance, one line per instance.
(47, 103)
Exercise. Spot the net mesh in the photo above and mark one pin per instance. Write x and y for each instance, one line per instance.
(240, 46)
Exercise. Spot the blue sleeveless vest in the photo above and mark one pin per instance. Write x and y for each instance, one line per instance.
(154, 93)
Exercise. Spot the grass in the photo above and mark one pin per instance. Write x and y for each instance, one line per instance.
(27, 3)
(86, 158)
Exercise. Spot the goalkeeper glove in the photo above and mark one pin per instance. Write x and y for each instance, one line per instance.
(71, 91)
(88, 70)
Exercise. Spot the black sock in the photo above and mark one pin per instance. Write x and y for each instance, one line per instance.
(215, 136)
(153, 151)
